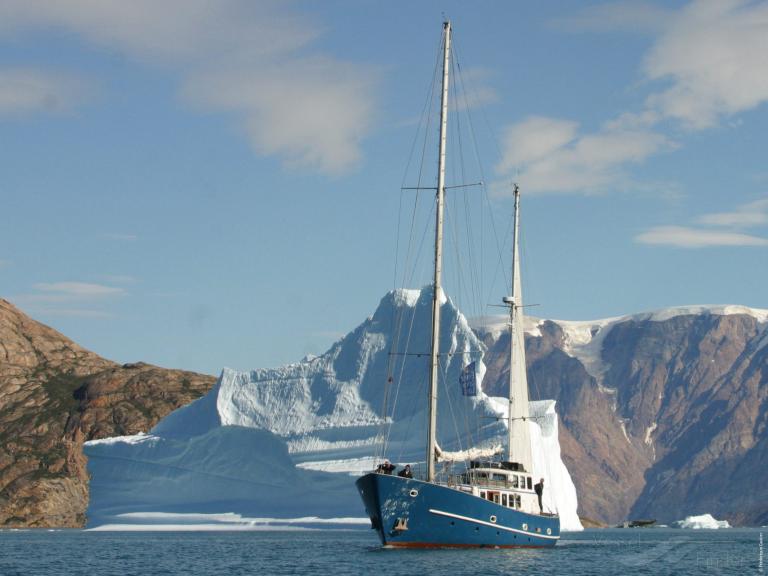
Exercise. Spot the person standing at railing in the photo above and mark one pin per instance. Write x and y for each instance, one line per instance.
(406, 472)
(385, 467)
(539, 488)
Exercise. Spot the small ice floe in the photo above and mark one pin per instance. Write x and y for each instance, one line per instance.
(704, 521)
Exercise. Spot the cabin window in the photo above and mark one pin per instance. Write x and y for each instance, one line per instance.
(501, 477)
(503, 499)
(517, 500)
(530, 484)
(482, 493)
(482, 475)
(496, 497)
(514, 480)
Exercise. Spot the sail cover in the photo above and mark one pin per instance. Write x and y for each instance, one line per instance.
(519, 433)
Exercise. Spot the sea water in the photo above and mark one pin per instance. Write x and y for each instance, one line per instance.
(347, 552)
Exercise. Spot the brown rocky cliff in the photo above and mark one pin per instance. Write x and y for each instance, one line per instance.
(55, 395)
(707, 409)
(606, 467)
(677, 423)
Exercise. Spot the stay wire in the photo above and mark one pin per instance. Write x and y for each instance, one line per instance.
(426, 110)
(478, 158)
(424, 121)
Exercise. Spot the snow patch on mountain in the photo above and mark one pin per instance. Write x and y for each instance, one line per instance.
(584, 338)
(584, 341)
(496, 325)
(760, 314)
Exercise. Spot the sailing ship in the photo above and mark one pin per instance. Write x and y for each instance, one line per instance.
(491, 503)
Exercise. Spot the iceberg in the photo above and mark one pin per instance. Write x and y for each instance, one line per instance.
(703, 521)
(289, 442)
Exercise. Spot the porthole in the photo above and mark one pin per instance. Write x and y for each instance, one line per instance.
(549, 530)
(414, 493)
(493, 518)
(525, 526)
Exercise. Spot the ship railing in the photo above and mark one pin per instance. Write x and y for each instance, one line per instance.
(472, 480)
(445, 475)
(419, 472)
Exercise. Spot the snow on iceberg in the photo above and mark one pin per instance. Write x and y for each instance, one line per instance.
(288, 442)
(703, 521)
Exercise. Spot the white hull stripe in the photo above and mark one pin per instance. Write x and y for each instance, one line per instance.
(492, 525)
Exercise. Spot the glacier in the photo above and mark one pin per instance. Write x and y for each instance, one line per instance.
(287, 443)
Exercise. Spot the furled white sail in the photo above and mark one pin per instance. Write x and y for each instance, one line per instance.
(519, 434)
(476, 453)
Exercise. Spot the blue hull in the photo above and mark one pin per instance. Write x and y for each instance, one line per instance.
(416, 514)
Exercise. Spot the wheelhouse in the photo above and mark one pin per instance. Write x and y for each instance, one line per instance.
(507, 484)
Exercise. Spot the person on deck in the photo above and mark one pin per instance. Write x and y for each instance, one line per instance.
(406, 472)
(539, 488)
(385, 467)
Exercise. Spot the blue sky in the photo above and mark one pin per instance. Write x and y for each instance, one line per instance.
(199, 184)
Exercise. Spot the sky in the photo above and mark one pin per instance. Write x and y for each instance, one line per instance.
(202, 184)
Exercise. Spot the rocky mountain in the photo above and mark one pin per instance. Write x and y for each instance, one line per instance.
(55, 395)
(663, 414)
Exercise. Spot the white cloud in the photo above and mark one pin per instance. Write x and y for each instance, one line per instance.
(25, 90)
(78, 289)
(533, 139)
(251, 58)
(727, 232)
(714, 52)
(712, 56)
(473, 90)
(307, 111)
(171, 31)
(745, 216)
(550, 156)
(711, 53)
(684, 237)
(79, 299)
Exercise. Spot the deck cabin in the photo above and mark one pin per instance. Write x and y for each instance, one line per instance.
(505, 483)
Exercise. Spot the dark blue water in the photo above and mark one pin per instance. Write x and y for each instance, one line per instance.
(339, 553)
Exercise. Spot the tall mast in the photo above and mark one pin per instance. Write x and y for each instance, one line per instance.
(437, 288)
(519, 441)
